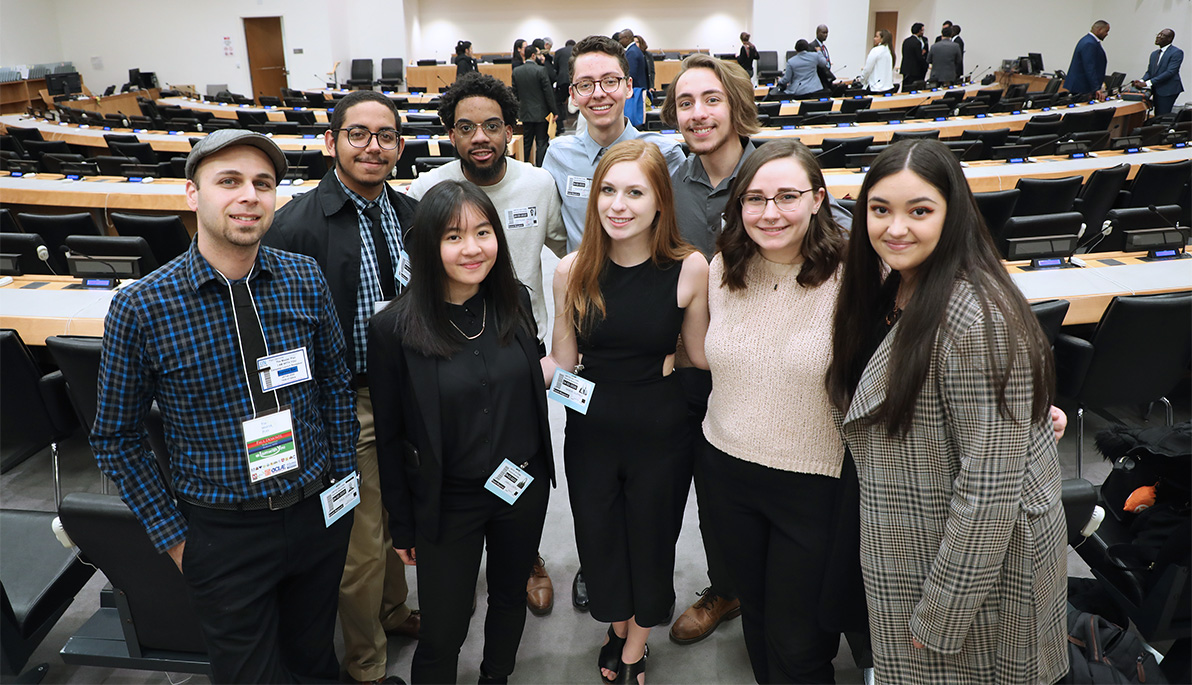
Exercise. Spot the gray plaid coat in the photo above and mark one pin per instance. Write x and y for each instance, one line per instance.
(962, 530)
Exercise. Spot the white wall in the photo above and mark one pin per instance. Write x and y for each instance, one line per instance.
(1132, 28)
(493, 26)
(29, 33)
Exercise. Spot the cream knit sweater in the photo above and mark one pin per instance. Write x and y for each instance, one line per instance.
(768, 349)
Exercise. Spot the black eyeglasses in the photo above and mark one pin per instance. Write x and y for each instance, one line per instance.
(359, 136)
(492, 127)
(608, 84)
(786, 201)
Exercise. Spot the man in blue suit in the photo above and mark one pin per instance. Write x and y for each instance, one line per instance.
(1163, 73)
(1086, 74)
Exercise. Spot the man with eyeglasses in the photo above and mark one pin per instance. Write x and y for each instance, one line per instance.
(600, 85)
(352, 224)
(535, 95)
(477, 111)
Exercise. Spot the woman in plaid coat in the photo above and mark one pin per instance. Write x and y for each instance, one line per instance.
(945, 409)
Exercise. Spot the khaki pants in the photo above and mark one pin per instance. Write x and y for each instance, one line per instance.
(372, 594)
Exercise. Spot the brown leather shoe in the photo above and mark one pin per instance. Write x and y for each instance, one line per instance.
(409, 627)
(540, 593)
(700, 619)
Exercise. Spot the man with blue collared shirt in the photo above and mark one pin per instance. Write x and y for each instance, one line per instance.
(600, 86)
(241, 349)
(352, 224)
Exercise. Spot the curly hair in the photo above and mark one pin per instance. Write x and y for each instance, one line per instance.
(480, 85)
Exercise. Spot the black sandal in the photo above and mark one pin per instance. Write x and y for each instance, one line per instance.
(628, 675)
(610, 655)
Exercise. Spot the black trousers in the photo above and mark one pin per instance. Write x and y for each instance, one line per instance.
(472, 520)
(535, 131)
(697, 385)
(775, 527)
(265, 586)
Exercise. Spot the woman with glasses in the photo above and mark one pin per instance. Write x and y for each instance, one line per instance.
(621, 301)
(943, 378)
(772, 447)
(463, 438)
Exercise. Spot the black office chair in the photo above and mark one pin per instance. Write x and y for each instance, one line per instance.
(878, 116)
(1074, 122)
(996, 207)
(51, 163)
(1039, 145)
(248, 119)
(37, 148)
(54, 228)
(25, 427)
(768, 70)
(1099, 193)
(1041, 125)
(834, 151)
(392, 72)
(296, 101)
(302, 118)
(412, 151)
(138, 153)
(929, 111)
(110, 138)
(1137, 355)
(309, 164)
(362, 74)
(115, 246)
(167, 235)
(1046, 195)
(1133, 219)
(853, 105)
(269, 101)
(8, 222)
(27, 246)
(153, 625)
(1065, 224)
(24, 135)
(770, 109)
(39, 579)
(110, 165)
(992, 138)
(807, 107)
(972, 109)
(933, 134)
(1158, 184)
(1050, 314)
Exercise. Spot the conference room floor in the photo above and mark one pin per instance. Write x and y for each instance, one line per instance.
(558, 648)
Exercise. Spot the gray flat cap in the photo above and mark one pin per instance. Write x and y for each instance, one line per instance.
(228, 137)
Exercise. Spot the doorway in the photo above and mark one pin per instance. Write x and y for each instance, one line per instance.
(888, 21)
(266, 56)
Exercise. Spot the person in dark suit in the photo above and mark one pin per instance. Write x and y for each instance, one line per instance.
(1086, 73)
(463, 438)
(947, 25)
(562, 86)
(536, 98)
(1163, 73)
(914, 56)
(944, 58)
(326, 224)
(959, 41)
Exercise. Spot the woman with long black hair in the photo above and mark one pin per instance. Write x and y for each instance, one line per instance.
(463, 439)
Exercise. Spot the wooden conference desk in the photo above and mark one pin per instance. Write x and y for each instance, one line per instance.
(438, 78)
(107, 193)
(37, 313)
(179, 142)
(1107, 275)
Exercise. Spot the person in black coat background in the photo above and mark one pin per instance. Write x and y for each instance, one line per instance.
(536, 99)
(914, 56)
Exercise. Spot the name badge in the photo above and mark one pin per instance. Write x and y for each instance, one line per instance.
(379, 305)
(508, 482)
(571, 391)
(523, 217)
(340, 498)
(269, 445)
(578, 186)
(283, 370)
(403, 268)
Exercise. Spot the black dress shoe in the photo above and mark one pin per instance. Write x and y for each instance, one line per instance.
(579, 591)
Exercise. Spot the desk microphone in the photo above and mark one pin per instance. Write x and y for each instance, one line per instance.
(1040, 146)
(43, 253)
(969, 77)
(1166, 222)
(69, 252)
(442, 81)
(1106, 229)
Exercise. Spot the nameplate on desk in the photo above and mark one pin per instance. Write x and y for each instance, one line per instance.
(934, 90)
(422, 136)
(824, 99)
(107, 128)
(982, 115)
(894, 121)
(1016, 160)
(941, 118)
(140, 130)
(785, 102)
(1017, 111)
(299, 109)
(669, 131)
(886, 95)
(858, 97)
(174, 133)
(788, 127)
(1071, 105)
(1132, 150)
(1046, 109)
(308, 135)
(1180, 144)
(73, 177)
(843, 124)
